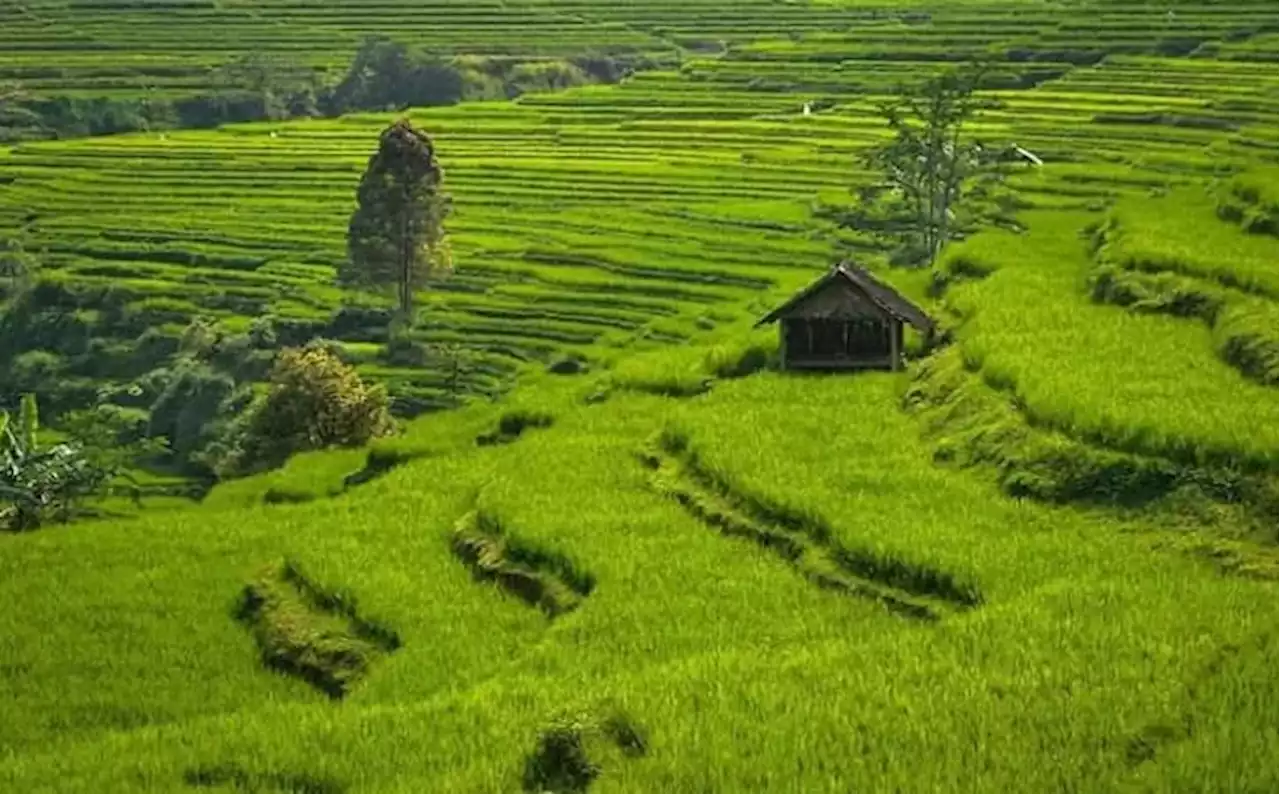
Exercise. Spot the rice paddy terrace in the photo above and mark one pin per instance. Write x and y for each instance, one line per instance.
(113, 47)
(1043, 559)
(704, 178)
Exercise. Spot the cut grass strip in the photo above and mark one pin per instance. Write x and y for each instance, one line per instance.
(541, 578)
(901, 587)
(310, 631)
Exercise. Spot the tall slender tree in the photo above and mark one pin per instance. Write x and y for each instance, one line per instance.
(396, 236)
(935, 176)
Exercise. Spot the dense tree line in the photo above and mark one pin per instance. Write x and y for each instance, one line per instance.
(383, 75)
(198, 394)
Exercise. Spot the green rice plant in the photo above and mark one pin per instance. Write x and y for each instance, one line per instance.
(1251, 201)
(1155, 236)
(1147, 384)
(1244, 326)
(1108, 652)
(706, 643)
(1246, 336)
(512, 424)
(663, 373)
(739, 358)
(221, 775)
(560, 762)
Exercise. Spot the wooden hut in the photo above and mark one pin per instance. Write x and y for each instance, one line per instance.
(848, 319)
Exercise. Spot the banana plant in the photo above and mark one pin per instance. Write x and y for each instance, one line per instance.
(40, 483)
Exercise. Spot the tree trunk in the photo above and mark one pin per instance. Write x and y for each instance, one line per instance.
(406, 267)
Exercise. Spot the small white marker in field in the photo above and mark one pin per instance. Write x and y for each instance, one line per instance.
(808, 108)
(273, 133)
(1026, 155)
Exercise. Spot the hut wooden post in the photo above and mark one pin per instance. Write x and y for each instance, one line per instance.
(895, 363)
(782, 342)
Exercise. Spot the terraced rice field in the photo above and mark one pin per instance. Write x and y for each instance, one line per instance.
(1043, 559)
(121, 48)
(605, 214)
(929, 633)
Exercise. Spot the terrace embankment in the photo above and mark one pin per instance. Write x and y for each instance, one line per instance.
(970, 422)
(310, 631)
(542, 578)
(599, 225)
(1174, 256)
(904, 588)
(239, 778)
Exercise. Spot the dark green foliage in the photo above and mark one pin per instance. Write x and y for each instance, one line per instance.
(286, 89)
(571, 364)
(396, 235)
(194, 395)
(561, 760)
(310, 631)
(316, 401)
(387, 75)
(559, 763)
(377, 463)
(72, 347)
(937, 181)
(383, 75)
(18, 267)
(40, 483)
(512, 424)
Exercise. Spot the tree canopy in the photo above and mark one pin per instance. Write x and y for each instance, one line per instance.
(396, 236)
(316, 401)
(935, 179)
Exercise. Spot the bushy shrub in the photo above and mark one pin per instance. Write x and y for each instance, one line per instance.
(315, 401)
(192, 396)
(548, 75)
(570, 364)
(40, 482)
(34, 369)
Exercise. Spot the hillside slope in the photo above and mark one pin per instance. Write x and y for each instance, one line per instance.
(1043, 558)
(1051, 648)
(785, 582)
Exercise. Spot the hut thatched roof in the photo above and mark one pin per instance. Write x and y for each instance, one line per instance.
(892, 302)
